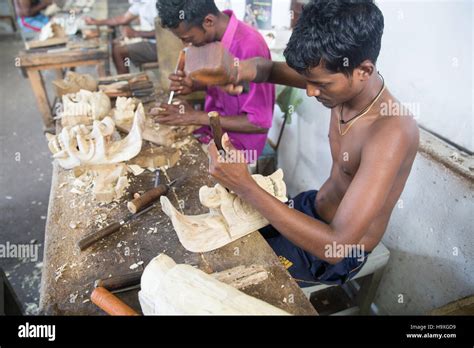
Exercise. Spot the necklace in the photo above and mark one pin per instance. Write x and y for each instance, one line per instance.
(361, 114)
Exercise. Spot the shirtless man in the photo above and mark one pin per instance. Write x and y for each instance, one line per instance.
(332, 53)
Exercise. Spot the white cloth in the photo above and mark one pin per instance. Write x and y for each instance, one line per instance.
(146, 10)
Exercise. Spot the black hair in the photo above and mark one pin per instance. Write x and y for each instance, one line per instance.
(340, 34)
(191, 12)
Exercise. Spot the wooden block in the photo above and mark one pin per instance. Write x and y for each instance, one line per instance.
(156, 157)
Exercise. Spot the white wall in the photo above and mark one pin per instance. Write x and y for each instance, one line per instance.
(427, 59)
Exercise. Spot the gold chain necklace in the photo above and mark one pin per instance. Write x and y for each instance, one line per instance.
(364, 112)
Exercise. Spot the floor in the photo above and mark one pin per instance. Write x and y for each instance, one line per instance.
(25, 176)
(25, 172)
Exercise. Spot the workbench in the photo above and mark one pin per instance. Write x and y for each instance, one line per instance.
(34, 62)
(68, 274)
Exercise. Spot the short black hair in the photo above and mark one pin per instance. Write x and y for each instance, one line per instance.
(341, 34)
(192, 12)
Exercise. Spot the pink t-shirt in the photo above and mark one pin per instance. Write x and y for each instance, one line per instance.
(244, 42)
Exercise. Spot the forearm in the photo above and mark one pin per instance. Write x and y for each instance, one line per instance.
(278, 73)
(309, 234)
(145, 34)
(239, 124)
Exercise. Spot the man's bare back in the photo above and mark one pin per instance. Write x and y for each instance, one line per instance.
(346, 155)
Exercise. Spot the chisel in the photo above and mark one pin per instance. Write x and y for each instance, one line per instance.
(149, 197)
(217, 133)
(179, 66)
(93, 237)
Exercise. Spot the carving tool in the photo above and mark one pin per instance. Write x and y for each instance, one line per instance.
(93, 237)
(149, 197)
(179, 66)
(120, 283)
(110, 303)
(215, 123)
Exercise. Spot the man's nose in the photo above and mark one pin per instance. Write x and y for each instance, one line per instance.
(312, 91)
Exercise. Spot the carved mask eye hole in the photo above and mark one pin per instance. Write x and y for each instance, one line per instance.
(242, 209)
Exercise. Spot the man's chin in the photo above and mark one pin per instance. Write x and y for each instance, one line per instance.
(327, 104)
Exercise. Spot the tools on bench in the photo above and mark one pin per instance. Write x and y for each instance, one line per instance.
(120, 283)
(110, 303)
(149, 197)
(95, 236)
(138, 207)
(127, 85)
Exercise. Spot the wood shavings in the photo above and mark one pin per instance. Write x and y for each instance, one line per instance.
(136, 169)
(59, 272)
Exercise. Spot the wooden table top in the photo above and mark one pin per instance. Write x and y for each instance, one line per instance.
(69, 293)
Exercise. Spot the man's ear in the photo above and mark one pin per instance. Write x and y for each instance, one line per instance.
(364, 71)
(209, 21)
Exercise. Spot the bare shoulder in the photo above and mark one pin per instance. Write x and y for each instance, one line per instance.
(393, 133)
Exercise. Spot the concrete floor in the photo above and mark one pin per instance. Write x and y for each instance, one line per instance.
(25, 175)
(25, 168)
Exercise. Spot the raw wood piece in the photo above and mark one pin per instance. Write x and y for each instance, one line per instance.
(229, 217)
(168, 288)
(110, 303)
(157, 157)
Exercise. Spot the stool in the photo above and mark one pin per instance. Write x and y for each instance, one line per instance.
(372, 273)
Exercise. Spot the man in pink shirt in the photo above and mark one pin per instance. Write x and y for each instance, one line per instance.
(247, 117)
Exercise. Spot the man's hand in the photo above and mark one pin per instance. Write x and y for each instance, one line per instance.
(89, 20)
(128, 32)
(179, 115)
(246, 72)
(232, 175)
(180, 83)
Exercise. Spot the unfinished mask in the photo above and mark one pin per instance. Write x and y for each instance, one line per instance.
(84, 107)
(229, 217)
(83, 145)
(124, 109)
(171, 289)
(73, 83)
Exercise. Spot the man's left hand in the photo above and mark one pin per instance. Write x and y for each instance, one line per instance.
(178, 115)
(231, 172)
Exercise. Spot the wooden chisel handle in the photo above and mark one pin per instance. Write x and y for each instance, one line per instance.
(140, 203)
(120, 281)
(93, 237)
(110, 303)
(215, 123)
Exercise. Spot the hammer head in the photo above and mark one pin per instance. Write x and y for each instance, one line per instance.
(210, 65)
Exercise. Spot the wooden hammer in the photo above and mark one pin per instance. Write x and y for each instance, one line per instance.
(110, 303)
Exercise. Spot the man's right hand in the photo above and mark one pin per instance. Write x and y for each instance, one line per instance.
(246, 72)
(89, 20)
(180, 83)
